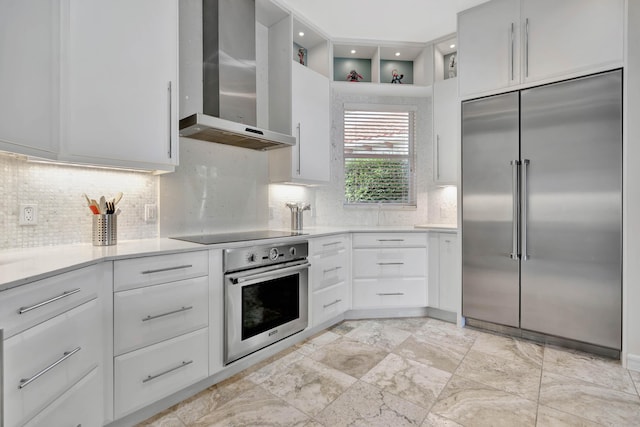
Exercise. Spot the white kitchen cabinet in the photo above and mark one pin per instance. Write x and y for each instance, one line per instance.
(446, 122)
(41, 363)
(389, 270)
(56, 336)
(151, 314)
(329, 277)
(79, 406)
(444, 271)
(29, 71)
(505, 43)
(151, 373)
(309, 160)
(120, 83)
(161, 334)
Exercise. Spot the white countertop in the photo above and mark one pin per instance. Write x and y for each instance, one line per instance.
(23, 265)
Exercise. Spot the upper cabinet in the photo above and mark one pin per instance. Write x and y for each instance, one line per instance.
(298, 91)
(29, 74)
(82, 83)
(121, 83)
(446, 120)
(505, 43)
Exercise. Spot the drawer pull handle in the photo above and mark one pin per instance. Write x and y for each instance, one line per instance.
(385, 294)
(391, 263)
(331, 244)
(65, 294)
(331, 303)
(180, 310)
(390, 240)
(153, 377)
(329, 270)
(65, 356)
(160, 270)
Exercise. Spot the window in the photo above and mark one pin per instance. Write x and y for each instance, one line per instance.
(379, 163)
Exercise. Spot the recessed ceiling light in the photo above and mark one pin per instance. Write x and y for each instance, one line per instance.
(452, 46)
(353, 51)
(397, 53)
(301, 33)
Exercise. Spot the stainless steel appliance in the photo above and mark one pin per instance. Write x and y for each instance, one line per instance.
(218, 75)
(239, 236)
(266, 296)
(542, 211)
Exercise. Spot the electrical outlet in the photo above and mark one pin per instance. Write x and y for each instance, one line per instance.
(28, 214)
(150, 213)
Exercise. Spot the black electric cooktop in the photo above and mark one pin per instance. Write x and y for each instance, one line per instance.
(211, 239)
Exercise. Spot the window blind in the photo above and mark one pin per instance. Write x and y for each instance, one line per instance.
(379, 157)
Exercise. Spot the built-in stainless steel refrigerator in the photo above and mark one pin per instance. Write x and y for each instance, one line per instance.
(542, 210)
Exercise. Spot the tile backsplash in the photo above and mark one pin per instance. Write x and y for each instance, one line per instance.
(63, 215)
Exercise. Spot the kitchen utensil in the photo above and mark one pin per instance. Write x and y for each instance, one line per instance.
(92, 207)
(103, 205)
(117, 198)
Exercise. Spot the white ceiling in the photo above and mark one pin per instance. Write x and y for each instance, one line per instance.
(382, 20)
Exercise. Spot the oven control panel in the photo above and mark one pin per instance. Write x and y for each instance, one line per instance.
(261, 255)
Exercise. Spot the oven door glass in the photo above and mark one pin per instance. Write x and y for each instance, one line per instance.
(269, 304)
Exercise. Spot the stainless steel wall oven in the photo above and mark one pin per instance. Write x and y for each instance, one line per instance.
(266, 296)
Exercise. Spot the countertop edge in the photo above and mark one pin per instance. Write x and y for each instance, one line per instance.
(17, 265)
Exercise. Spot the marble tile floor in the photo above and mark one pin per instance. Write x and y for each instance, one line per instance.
(417, 372)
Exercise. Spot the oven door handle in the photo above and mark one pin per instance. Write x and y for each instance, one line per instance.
(276, 271)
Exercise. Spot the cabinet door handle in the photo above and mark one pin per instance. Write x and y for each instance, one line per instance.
(437, 156)
(153, 377)
(390, 240)
(329, 270)
(386, 294)
(299, 148)
(526, 48)
(160, 270)
(65, 356)
(170, 91)
(65, 294)
(331, 303)
(180, 310)
(512, 36)
(331, 244)
(390, 263)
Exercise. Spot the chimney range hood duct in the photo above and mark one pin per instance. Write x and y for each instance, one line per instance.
(229, 80)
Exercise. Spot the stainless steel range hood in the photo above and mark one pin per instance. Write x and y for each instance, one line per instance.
(227, 113)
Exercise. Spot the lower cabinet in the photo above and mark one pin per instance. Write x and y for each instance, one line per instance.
(151, 373)
(329, 277)
(444, 271)
(389, 270)
(81, 405)
(53, 349)
(161, 334)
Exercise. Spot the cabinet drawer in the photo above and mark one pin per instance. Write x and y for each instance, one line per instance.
(390, 262)
(328, 270)
(51, 356)
(151, 373)
(81, 405)
(328, 245)
(381, 293)
(139, 272)
(152, 314)
(363, 240)
(328, 303)
(28, 305)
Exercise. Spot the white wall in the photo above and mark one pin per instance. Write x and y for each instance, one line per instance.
(63, 215)
(631, 270)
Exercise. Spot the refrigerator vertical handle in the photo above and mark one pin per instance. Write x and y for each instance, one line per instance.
(525, 196)
(515, 169)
